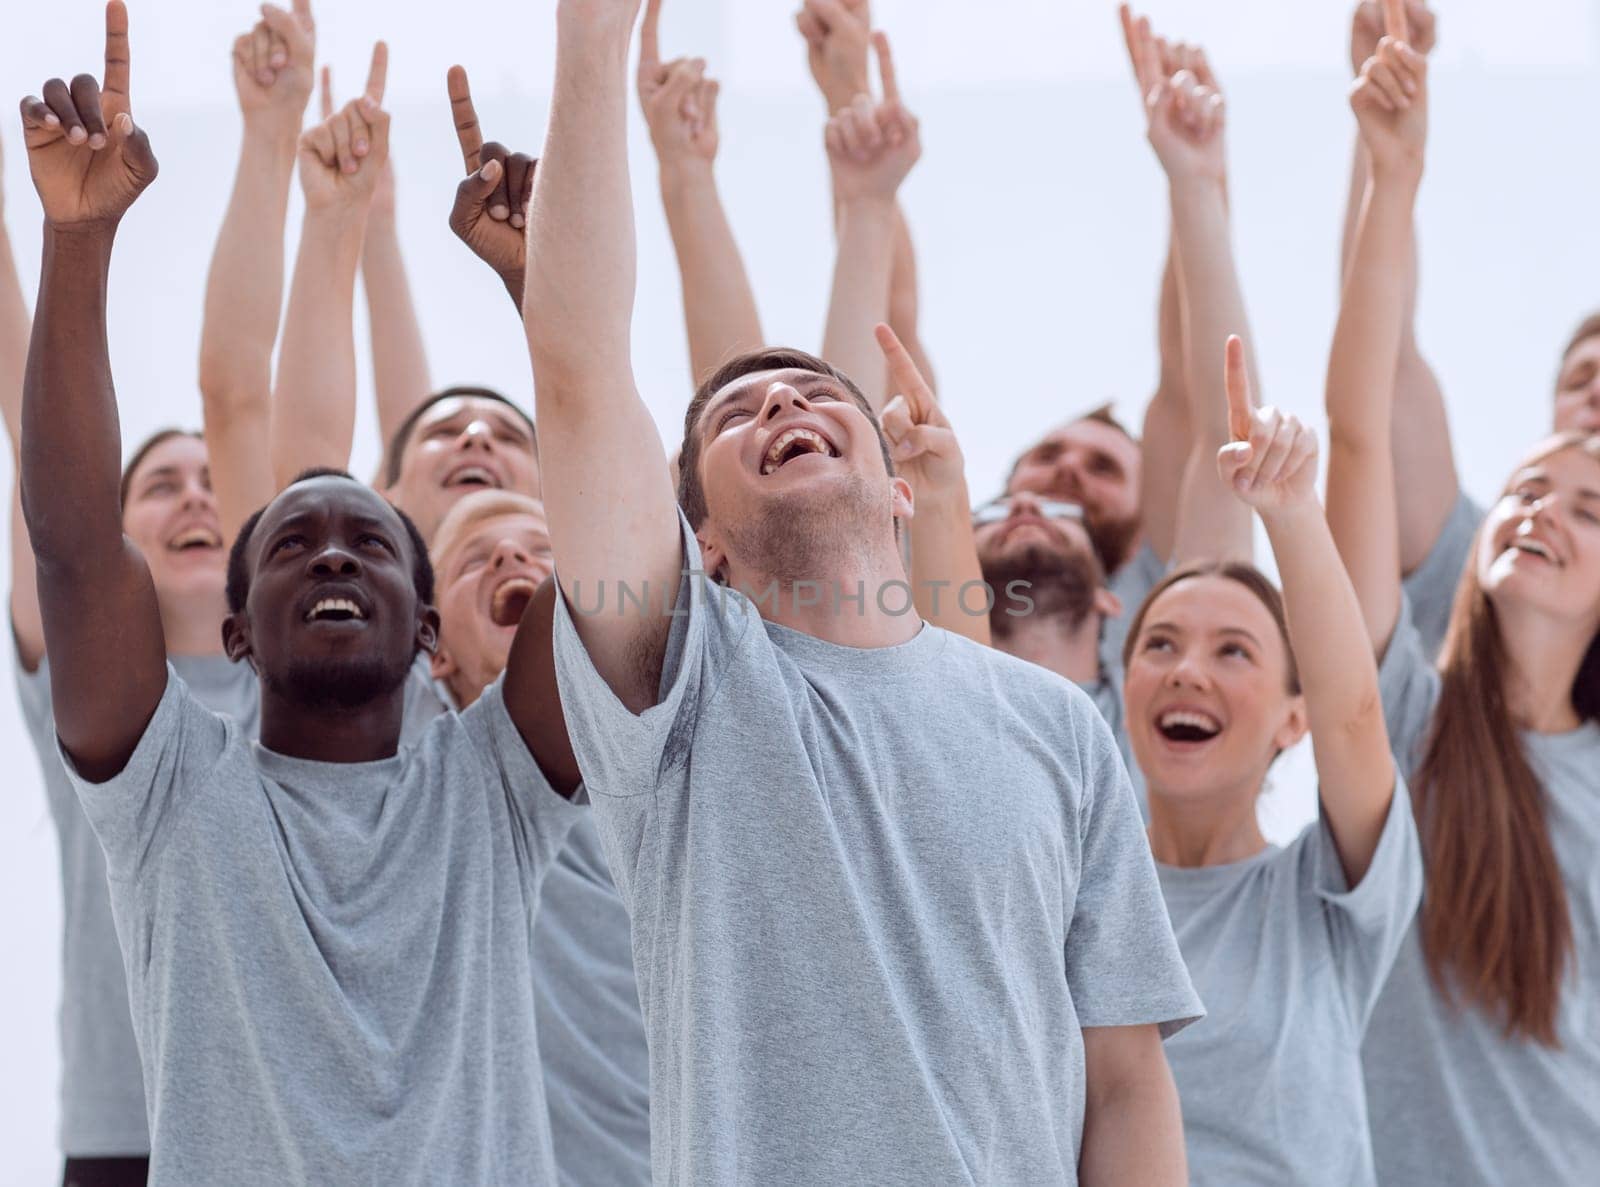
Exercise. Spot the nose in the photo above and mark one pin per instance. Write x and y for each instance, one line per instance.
(781, 397)
(1023, 503)
(1187, 672)
(335, 561)
(477, 433)
(508, 552)
(197, 496)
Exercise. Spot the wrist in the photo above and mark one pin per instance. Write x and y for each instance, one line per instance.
(81, 241)
(944, 503)
(336, 227)
(874, 204)
(1293, 519)
(1399, 175)
(271, 132)
(686, 175)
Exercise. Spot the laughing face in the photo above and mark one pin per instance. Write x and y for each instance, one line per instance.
(171, 516)
(333, 617)
(792, 467)
(1207, 691)
(1095, 466)
(1042, 542)
(461, 445)
(1539, 549)
(491, 555)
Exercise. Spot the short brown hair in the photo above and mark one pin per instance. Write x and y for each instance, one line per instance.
(1587, 329)
(691, 494)
(159, 437)
(393, 455)
(1105, 414)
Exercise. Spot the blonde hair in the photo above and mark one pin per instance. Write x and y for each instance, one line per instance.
(473, 510)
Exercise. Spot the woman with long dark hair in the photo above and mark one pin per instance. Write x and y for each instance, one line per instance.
(1483, 1058)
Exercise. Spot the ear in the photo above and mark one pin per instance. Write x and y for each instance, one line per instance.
(1294, 726)
(428, 629)
(236, 639)
(442, 665)
(1107, 604)
(713, 554)
(902, 503)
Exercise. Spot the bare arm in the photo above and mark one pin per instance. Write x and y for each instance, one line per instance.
(1362, 501)
(1164, 443)
(680, 106)
(244, 291)
(314, 400)
(95, 593)
(905, 299)
(1132, 1124)
(613, 515)
(15, 327)
(1424, 459)
(871, 150)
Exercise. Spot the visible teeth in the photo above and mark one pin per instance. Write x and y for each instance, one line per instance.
(335, 606)
(473, 474)
(202, 537)
(1533, 546)
(788, 437)
(1182, 717)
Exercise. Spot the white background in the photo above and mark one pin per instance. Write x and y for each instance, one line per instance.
(1038, 210)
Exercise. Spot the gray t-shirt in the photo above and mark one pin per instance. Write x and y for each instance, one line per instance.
(1431, 586)
(875, 894)
(330, 964)
(1289, 961)
(1452, 1101)
(102, 1089)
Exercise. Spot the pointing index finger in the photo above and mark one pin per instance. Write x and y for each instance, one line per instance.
(886, 70)
(650, 35)
(327, 92)
(903, 374)
(465, 116)
(115, 83)
(1238, 384)
(1394, 19)
(378, 75)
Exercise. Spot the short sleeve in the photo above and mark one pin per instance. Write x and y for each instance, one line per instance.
(1123, 963)
(621, 753)
(1431, 586)
(1367, 925)
(542, 816)
(1408, 681)
(134, 811)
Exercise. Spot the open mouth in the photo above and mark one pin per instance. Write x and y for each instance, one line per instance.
(472, 477)
(791, 444)
(510, 599)
(335, 610)
(195, 540)
(1188, 726)
(1533, 547)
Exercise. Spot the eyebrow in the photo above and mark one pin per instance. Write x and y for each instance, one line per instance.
(1227, 630)
(806, 381)
(159, 472)
(502, 418)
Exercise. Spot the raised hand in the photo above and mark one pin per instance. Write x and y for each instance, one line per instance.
(1390, 99)
(1184, 109)
(383, 196)
(1367, 28)
(679, 101)
(491, 205)
(342, 158)
(1271, 463)
(88, 159)
(837, 34)
(872, 147)
(924, 446)
(273, 67)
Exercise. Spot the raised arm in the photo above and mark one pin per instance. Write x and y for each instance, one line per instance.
(102, 625)
(314, 400)
(871, 149)
(15, 327)
(1185, 115)
(613, 516)
(1390, 101)
(1424, 459)
(272, 73)
(680, 106)
(944, 555)
(1276, 474)
(399, 359)
(491, 208)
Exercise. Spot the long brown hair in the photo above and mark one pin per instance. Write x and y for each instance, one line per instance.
(1496, 931)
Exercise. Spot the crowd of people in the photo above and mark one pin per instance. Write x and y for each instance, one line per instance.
(552, 810)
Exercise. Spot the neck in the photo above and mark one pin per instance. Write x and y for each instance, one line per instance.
(193, 625)
(367, 733)
(1542, 657)
(1209, 830)
(1053, 643)
(464, 690)
(853, 600)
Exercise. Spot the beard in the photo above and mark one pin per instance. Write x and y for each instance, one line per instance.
(341, 685)
(801, 537)
(1112, 539)
(1061, 583)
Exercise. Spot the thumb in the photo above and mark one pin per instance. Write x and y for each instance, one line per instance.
(1231, 459)
(1237, 380)
(478, 186)
(135, 146)
(896, 420)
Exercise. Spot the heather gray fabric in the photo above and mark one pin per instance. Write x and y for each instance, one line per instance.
(1106, 693)
(102, 1090)
(591, 1033)
(1452, 1101)
(330, 965)
(1289, 961)
(875, 894)
(1431, 586)
(1132, 584)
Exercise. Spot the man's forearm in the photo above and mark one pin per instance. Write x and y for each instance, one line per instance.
(314, 401)
(15, 326)
(399, 359)
(719, 305)
(860, 298)
(944, 563)
(244, 296)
